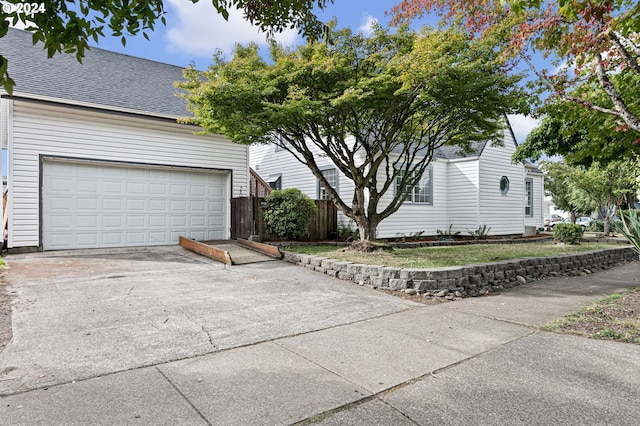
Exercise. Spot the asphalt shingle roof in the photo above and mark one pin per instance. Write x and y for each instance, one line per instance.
(104, 78)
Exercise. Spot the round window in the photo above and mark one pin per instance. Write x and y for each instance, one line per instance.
(504, 185)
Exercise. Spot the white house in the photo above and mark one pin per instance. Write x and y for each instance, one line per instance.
(461, 191)
(95, 157)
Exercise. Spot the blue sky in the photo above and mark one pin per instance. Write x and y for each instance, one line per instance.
(194, 32)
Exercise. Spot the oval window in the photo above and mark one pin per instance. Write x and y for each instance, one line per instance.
(504, 185)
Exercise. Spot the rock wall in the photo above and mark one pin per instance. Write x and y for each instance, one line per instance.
(468, 280)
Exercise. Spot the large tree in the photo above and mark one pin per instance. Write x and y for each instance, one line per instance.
(68, 26)
(579, 136)
(595, 42)
(605, 186)
(556, 184)
(377, 107)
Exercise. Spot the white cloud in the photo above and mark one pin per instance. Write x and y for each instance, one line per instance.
(366, 28)
(522, 125)
(198, 30)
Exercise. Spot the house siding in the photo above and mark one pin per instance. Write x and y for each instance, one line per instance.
(414, 218)
(466, 192)
(37, 129)
(504, 213)
(463, 192)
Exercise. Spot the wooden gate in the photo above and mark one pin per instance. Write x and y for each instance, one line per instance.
(241, 217)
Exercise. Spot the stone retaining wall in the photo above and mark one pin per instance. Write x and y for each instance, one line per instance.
(469, 280)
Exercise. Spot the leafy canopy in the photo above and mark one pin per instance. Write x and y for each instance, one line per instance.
(377, 106)
(593, 41)
(68, 26)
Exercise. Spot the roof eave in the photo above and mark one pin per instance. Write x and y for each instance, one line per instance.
(70, 102)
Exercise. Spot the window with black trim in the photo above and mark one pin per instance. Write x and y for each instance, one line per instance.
(504, 185)
(275, 181)
(421, 192)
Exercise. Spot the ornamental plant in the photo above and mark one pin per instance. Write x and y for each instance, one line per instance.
(288, 213)
(629, 226)
(568, 233)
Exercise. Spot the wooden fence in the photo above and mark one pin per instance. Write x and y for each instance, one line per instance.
(247, 219)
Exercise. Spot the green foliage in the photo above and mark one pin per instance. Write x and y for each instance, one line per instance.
(374, 106)
(568, 233)
(605, 187)
(596, 226)
(629, 226)
(555, 184)
(288, 213)
(347, 232)
(481, 233)
(447, 234)
(61, 26)
(590, 42)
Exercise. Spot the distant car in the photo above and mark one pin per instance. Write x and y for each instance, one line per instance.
(583, 221)
(552, 218)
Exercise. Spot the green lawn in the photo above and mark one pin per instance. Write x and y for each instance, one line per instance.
(437, 257)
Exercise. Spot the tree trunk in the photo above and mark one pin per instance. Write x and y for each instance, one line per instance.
(367, 229)
(607, 226)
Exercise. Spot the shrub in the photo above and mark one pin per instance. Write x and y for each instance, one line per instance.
(629, 226)
(288, 213)
(347, 232)
(481, 233)
(448, 234)
(596, 226)
(568, 233)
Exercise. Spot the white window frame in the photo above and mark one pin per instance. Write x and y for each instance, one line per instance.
(528, 197)
(422, 193)
(321, 192)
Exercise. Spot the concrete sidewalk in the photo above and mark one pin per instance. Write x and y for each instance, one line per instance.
(301, 347)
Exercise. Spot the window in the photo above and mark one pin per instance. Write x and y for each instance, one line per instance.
(421, 192)
(331, 175)
(504, 185)
(528, 197)
(275, 181)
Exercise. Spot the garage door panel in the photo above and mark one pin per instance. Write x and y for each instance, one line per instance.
(178, 206)
(87, 240)
(60, 204)
(61, 221)
(84, 221)
(111, 187)
(136, 188)
(160, 237)
(87, 205)
(158, 189)
(135, 205)
(86, 185)
(158, 221)
(110, 204)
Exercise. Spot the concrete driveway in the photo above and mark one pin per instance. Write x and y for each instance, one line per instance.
(163, 336)
(84, 314)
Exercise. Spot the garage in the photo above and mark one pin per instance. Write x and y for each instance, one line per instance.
(90, 204)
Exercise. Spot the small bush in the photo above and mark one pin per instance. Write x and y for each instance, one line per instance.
(568, 233)
(347, 232)
(481, 233)
(288, 213)
(596, 226)
(448, 234)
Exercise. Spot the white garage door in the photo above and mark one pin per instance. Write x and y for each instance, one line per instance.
(91, 205)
